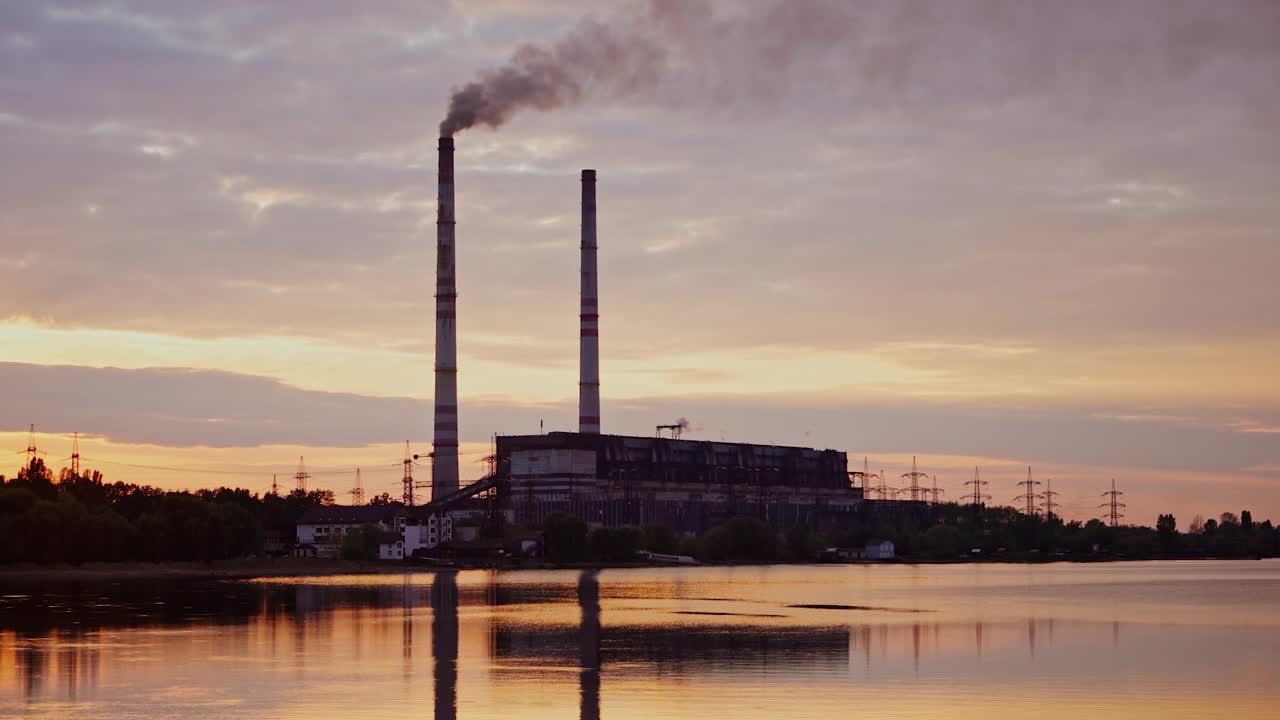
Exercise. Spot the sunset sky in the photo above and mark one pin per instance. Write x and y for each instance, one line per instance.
(992, 233)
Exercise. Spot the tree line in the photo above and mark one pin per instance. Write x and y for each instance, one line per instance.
(73, 518)
(76, 518)
(945, 531)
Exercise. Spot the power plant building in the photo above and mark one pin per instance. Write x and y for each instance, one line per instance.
(689, 485)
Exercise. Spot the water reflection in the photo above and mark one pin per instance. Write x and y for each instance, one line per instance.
(444, 644)
(589, 645)
(504, 645)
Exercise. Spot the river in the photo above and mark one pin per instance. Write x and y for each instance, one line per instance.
(1109, 640)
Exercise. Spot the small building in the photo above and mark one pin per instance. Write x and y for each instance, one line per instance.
(427, 533)
(324, 526)
(875, 549)
(878, 549)
(304, 550)
(391, 547)
(466, 524)
(840, 554)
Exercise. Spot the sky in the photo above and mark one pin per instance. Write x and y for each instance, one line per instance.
(990, 233)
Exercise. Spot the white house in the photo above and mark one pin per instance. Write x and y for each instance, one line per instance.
(877, 549)
(391, 547)
(425, 534)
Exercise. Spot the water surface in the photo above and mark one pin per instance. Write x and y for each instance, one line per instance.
(1131, 640)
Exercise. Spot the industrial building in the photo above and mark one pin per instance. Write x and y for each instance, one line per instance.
(689, 485)
(610, 479)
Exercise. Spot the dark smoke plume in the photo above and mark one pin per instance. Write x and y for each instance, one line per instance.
(639, 54)
(887, 51)
(593, 57)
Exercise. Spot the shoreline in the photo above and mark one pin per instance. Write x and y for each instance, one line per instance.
(290, 567)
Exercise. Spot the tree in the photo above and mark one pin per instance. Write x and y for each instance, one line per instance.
(362, 543)
(659, 539)
(941, 541)
(800, 543)
(564, 537)
(1167, 530)
(1197, 524)
(383, 499)
(1246, 520)
(615, 544)
(38, 477)
(751, 540)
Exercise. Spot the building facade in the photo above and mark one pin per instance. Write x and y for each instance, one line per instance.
(690, 485)
(321, 530)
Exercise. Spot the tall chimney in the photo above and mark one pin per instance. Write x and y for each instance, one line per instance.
(589, 337)
(444, 466)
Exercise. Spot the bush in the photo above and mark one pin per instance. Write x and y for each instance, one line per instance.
(615, 544)
(658, 539)
(564, 537)
(362, 543)
(801, 544)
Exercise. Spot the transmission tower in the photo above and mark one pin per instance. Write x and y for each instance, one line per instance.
(1030, 495)
(75, 454)
(1113, 504)
(408, 476)
(978, 484)
(855, 476)
(914, 476)
(1049, 502)
(357, 492)
(302, 476)
(884, 491)
(31, 445)
(275, 487)
(936, 491)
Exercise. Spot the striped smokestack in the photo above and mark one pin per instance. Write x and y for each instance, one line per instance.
(444, 465)
(589, 336)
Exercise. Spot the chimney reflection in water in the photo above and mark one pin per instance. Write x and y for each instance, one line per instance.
(589, 644)
(444, 643)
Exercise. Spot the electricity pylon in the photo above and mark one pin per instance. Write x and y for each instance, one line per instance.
(914, 476)
(1113, 504)
(1030, 495)
(978, 484)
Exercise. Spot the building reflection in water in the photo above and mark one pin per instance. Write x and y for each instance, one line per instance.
(589, 644)
(444, 643)
(49, 655)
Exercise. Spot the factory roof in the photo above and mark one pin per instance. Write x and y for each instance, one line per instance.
(349, 514)
(560, 439)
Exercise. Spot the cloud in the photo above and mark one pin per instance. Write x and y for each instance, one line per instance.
(182, 407)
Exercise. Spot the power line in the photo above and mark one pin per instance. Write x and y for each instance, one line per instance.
(211, 471)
